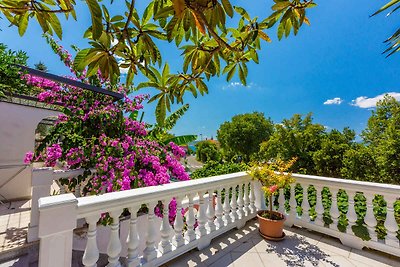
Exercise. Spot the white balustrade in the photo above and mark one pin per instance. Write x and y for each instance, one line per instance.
(369, 218)
(59, 214)
(201, 217)
(42, 180)
(210, 213)
(178, 239)
(246, 199)
(190, 234)
(219, 212)
(305, 205)
(335, 214)
(319, 208)
(227, 207)
(240, 203)
(390, 222)
(133, 239)
(91, 254)
(233, 205)
(165, 245)
(351, 213)
(150, 253)
(114, 245)
(281, 200)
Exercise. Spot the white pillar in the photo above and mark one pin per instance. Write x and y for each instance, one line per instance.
(56, 238)
(259, 196)
(42, 179)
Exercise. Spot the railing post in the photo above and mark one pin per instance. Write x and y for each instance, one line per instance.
(319, 208)
(335, 214)
(292, 215)
(42, 179)
(369, 218)
(390, 223)
(56, 236)
(259, 196)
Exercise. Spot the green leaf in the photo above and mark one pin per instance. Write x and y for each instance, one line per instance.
(281, 29)
(228, 7)
(95, 11)
(181, 140)
(391, 3)
(242, 76)
(161, 111)
(231, 73)
(79, 61)
(56, 25)
(242, 12)
(23, 23)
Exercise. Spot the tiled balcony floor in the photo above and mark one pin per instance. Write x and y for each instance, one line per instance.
(245, 247)
(14, 220)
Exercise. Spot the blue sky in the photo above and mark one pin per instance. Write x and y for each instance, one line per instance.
(337, 58)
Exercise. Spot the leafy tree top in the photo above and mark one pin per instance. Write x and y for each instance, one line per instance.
(203, 30)
(244, 134)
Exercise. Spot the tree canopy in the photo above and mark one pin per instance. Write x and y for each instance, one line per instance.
(207, 151)
(243, 135)
(203, 30)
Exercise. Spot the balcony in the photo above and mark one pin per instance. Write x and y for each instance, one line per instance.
(214, 207)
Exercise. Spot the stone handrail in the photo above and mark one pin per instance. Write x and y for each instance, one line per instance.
(218, 212)
(225, 202)
(42, 180)
(390, 193)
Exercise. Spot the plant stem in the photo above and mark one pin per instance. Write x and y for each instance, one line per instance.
(270, 205)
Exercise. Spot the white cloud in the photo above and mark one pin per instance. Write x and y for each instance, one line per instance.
(233, 85)
(367, 102)
(334, 101)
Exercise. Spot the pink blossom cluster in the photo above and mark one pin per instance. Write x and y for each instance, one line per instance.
(177, 150)
(93, 132)
(74, 157)
(28, 157)
(53, 153)
(40, 82)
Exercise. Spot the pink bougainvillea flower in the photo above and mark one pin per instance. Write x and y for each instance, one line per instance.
(28, 157)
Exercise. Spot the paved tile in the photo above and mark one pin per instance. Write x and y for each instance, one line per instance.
(300, 248)
(14, 220)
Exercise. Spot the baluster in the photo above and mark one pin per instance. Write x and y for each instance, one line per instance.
(219, 210)
(165, 245)
(292, 214)
(190, 234)
(351, 213)
(62, 188)
(334, 208)
(234, 215)
(246, 200)
(91, 254)
(178, 240)
(77, 192)
(227, 207)
(252, 198)
(240, 202)
(281, 200)
(114, 244)
(319, 208)
(390, 222)
(369, 218)
(133, 239)
(305, 205)
(149, 253)
(201, 217)
(210, 212)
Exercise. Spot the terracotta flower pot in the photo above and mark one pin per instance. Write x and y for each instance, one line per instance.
(269, 228)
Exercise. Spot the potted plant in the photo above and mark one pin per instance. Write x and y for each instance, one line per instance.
(272, 176)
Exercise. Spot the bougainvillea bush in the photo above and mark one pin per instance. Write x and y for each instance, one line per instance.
(94, 133)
